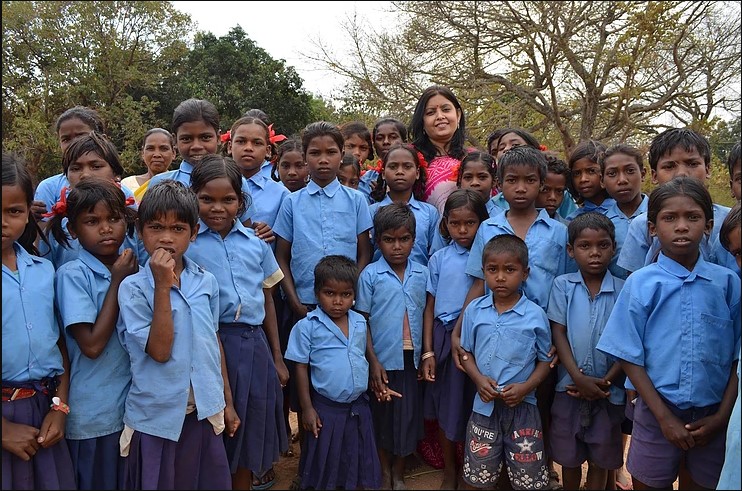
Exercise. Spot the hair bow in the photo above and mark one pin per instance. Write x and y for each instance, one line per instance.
(60, 207)
(130, 201)
(378, 167)
(273, 137)
(423, 162)
(543, 148)
(226, 136)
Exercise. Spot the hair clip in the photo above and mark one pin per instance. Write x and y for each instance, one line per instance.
(226, 136)
(273, 137)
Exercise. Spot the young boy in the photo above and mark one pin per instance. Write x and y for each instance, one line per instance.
(622, 169)
(392, 294)
(588, 406)
(674, 152)
(551, 196)
(509, 338)
(180, 400)
(331, 340)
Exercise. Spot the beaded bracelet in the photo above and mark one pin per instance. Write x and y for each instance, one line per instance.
(427, 354)
(58, 405)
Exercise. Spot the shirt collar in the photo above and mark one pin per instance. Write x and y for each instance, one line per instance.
(258, 179)
(519, 307)
(94, 263)
(412, 267)
(237, 227)
(458, 248)
(330, 189)
(607, 285)
(676, 269)
(412, 202)
(185, 167)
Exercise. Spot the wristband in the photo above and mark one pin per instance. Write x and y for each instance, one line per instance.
(427, 354)
(58, 405)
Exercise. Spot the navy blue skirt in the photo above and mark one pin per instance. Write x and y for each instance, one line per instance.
(398, 424)
(196, 461)
(257, 398)
(50, 468)
(450, 398)
(97, 461)
(344, 454)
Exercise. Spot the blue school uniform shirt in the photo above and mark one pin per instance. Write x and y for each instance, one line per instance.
(183, 175)
(364, 183)
(30, 329)
(621, 223)
(265, 170)
(267, 195)
(567, 207)
(730, 477)
(547, 252)
(49, 190)
(640, 249)
(243, 265)
(98, 386)
(448, 281)
(319, 222)
(682, 326)
(385, 298)
(506, 346)
(723, 257)
(571, 306)
(156, 402)
(588, 205)
(427, 219)
(317, 341)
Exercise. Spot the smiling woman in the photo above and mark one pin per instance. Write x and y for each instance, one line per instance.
(158, 152)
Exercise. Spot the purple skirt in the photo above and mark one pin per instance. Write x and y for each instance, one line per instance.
(257, 397)
(97, 462)
(50, 468)
(450, 398)
(344, 454)
(196, 461)
(398, 424)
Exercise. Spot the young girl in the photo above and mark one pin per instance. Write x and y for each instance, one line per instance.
(478, 172)
(246, 271)
(386, 133)
(291, 168)
(349, 173)
(449, 397)
(35, 364)
(158, 152)
(585, 179)
(676, 328)
(403, 174)
(87, 299)
(180, 400)
(357, 141)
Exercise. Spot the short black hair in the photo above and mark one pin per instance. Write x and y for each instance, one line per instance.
(522, 156)
(336, 267)
(168, 196)
(592, 220)
(678, 137)
(89, 116)
(463, 198)
(392, 217)
(623, 149)
(318, 129)
(506, 244)
(213, 166)
(680, 186)
(192, 110)
(731, 222)
(734, 157)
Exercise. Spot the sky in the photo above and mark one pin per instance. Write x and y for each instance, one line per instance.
(286, 30)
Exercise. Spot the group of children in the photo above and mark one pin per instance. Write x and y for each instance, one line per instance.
(185, 318)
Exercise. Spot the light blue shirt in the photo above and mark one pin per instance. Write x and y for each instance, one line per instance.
(571, 306)
(588, 205)
(241, 263)
(317, 341)
(547, 252)
(386, 299)
(506, 346)
(30, 329)
(723, 257)
(98, 386)
(427, 219)
(621, 223)
(319, 222)
(449, 293)
(565, 209)
(682, 326)
(156, 402)
(183, 175)
(730, 477)
(640, 249)
(265, 170)
(364, 183)
(267, 195)
(49, 190)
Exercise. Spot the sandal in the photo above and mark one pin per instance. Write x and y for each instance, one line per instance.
(264, 481)
(289, 451)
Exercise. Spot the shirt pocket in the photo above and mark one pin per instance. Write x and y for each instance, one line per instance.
(717, 340)
(515, 347)
(344, 226)
(548, 253)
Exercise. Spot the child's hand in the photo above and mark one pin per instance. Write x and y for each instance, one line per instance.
(457, 352)
(676, 433)
(427, 370)
(487, 389)
(263, 231)
(379, 380)
(125, 265)
(386, 394)
(162, 265)
(311, 421)
(514, 394)
(590, 388)
(283, 372)
(20, 440)
(704, 429)
(38, 208)
(553, 353)
(52, 429)
(231, 420)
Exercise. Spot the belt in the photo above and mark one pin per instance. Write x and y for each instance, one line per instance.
(30, 390)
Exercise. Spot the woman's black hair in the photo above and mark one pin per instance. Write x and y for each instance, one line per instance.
(15, 173)
(168, 196)
(96, 143)
(417, 126)
(290, 145)
(192, 110)
(162, 131)
(477, 156)
(418, 189)
(680, 186)
(463, 198)
(83, 198)
(215, 166)
(321, 128)
(85, 114)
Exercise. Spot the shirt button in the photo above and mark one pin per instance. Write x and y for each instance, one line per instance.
(29, 326)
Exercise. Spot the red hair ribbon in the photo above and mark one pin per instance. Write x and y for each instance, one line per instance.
(378, 167)
(60, 207)
(226, 136)
(543, 148)
(130, 201)
(423, 162)
(273, 137)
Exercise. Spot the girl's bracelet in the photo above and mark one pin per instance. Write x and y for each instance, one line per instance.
(58, 405)
(427, 354)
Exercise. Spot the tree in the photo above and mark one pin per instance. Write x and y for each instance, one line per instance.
(569, 70)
